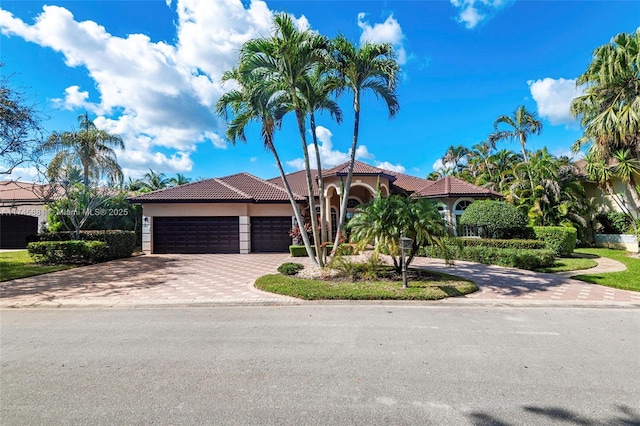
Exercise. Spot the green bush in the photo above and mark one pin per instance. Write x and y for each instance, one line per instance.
(64, 252)
(119, 243)
(499, 243)
(344, 250)
(496, 219)
(514, 258)
(560, 239)
(614, 222)
(290, 268)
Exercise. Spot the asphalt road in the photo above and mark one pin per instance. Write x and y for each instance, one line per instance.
(321, 365)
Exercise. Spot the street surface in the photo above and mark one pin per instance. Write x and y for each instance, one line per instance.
(324, 364)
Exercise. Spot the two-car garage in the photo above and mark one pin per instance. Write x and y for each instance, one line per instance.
(219, 234)
(235, 214)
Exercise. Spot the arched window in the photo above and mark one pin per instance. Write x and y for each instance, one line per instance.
(458, 208)
(352, 203)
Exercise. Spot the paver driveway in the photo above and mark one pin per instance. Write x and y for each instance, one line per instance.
(227, 278)
(151, 279)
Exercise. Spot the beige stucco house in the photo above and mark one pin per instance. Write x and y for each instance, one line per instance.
(242, 213)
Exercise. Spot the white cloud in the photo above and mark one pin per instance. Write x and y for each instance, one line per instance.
(388, 31)
(331, 157)
(24, 174)
(154, 91)
(441, 165)
(553, 98)
(389, 166)
(473, 12)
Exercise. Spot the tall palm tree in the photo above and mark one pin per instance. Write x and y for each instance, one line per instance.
(610, 107)
(370, 68)
(282, 63)
(89, 147)
(520, 126)
(179, 179)
(317, 91)
(251, 103)
(456, 155)
(154, 181)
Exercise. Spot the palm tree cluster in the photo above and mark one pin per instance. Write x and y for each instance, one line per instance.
(154, 181)
(609, 111)
(302, 72)
(543, 187)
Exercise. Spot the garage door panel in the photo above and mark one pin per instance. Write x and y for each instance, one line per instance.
(14, 230)
(270, 234)
(196, 234)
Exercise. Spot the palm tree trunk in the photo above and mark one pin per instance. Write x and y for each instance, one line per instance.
(324, 226)
(296, 209)
(312, 206)
(347, 186)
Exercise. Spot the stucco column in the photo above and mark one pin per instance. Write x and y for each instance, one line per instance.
(245, 235)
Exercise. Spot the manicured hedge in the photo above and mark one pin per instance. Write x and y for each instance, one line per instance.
(560, 239)
(511, 257)
(512, 244)
(301, 251)
(119, 243)
(64, 252)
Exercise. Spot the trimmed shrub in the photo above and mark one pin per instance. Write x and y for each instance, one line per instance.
(510, 257)
(290, 268)
(62, 252)
(299, 251)
(560, 239)
(119, 243)
(498, 243)
(495, 218)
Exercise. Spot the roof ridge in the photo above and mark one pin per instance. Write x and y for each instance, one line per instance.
(273, 185)
(233, 188)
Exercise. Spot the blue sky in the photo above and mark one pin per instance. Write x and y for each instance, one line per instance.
(149, 71)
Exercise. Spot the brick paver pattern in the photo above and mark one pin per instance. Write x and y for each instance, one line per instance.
(195, 279)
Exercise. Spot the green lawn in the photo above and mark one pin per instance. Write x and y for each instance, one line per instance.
(628, 279)
(573, 263)
(18, 264)
(439, 286)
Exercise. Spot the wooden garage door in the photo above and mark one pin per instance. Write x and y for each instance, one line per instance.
(14, 230)
(270, 234)
(196, 234)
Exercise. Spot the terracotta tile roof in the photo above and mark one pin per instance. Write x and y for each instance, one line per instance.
(241, 187)
(298, 182)
(11, 191)
(407, 182)
(359, 168)
(259, 189)
(449, 186)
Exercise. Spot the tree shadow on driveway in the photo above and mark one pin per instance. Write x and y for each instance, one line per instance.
(104, 279)
(557, 415)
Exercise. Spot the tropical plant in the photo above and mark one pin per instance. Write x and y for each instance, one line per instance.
(520, 126)
(250, 103)
(282, 63)
(154, 181)
(90, 148)
(317, 91)
(609, 109)
(179, 179)
(382, 221)
(457, 157)
(370, 68)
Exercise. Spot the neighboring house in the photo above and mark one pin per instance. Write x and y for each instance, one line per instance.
(22, 212)
(619, 201)
(242, 213)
